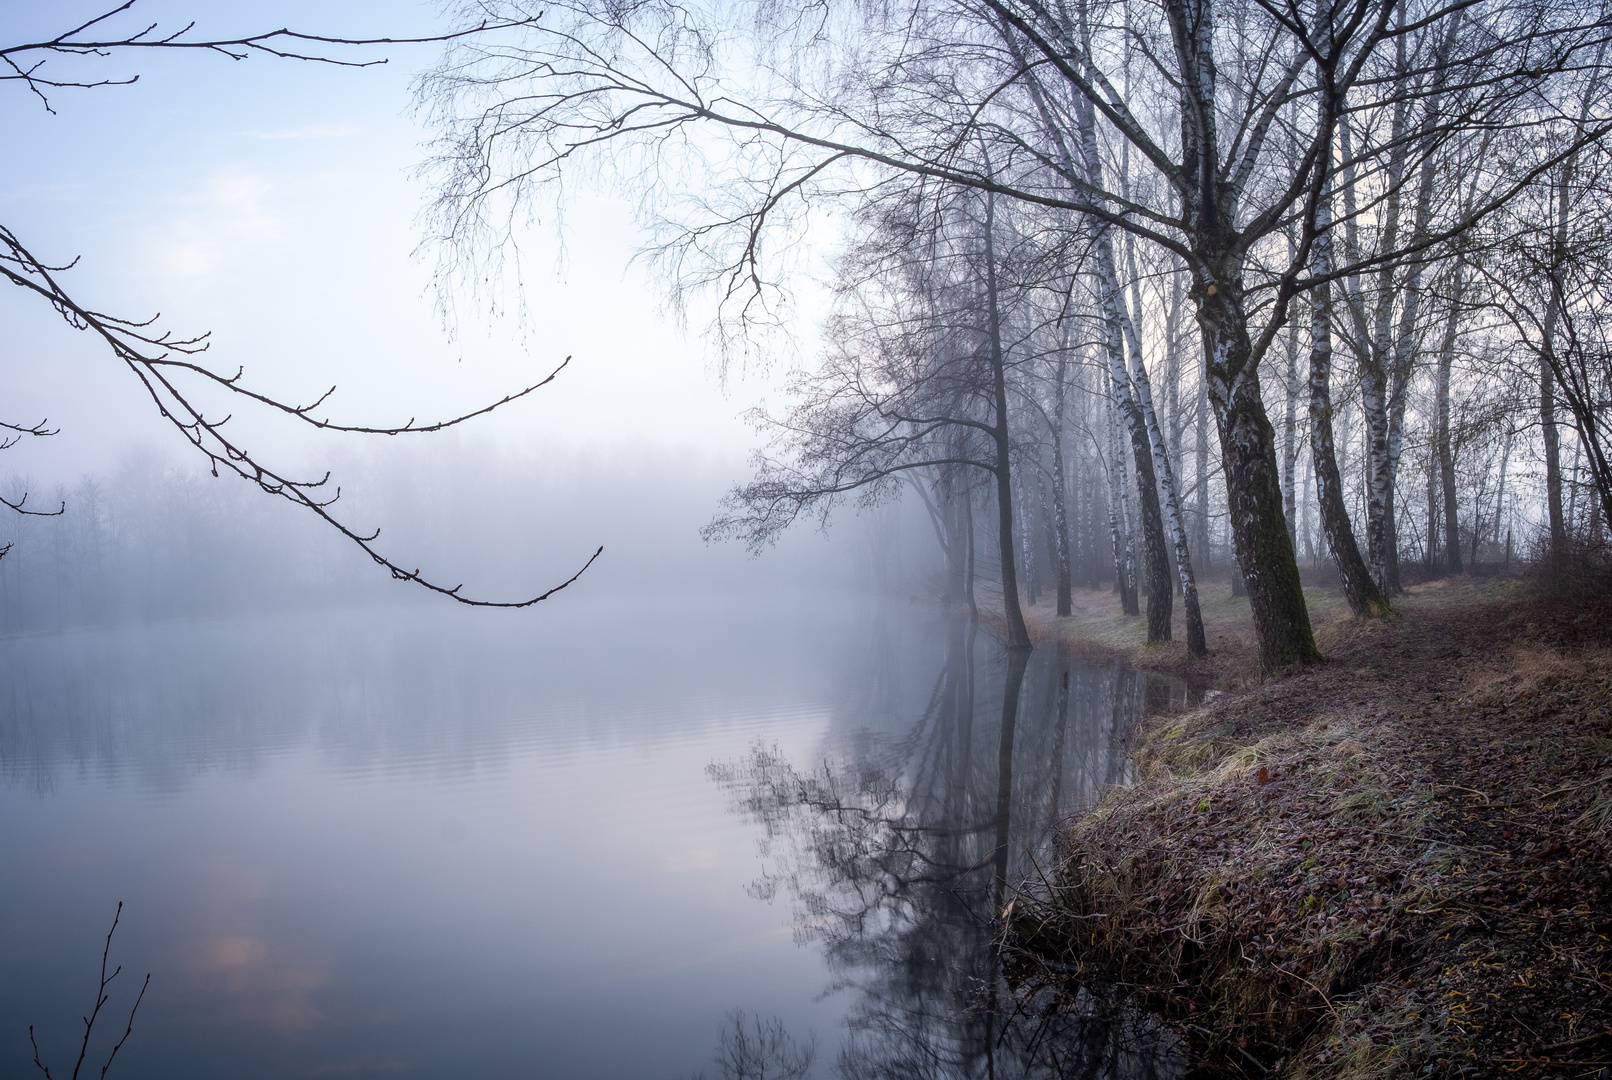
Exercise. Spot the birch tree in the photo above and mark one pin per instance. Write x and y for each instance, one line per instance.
(736, 122)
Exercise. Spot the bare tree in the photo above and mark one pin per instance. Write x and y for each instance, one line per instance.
(1364, 597)
(1553, 282)
(760, 113)
(1445, 448)
(918, 381)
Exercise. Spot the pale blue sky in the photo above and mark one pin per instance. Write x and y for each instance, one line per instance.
(271, 202)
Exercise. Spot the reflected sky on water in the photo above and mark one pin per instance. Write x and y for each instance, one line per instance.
(421, 842)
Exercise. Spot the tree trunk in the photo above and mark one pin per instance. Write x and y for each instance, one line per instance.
(1307, 529)
(1372, 339)
(1430, 549)
(1160, 596)
(1209, 216)
(1060, 507)
(1200, 453)
(1402, 356)
(1365, 599)
(1032, 579)
(1197, 644)
(1446, 450)
(1290, 441)
(1253, 483)
(1402, 366)
(968, 565)
(1500, 490)
(1172, 376)
(1119, 514)
(1018, 635)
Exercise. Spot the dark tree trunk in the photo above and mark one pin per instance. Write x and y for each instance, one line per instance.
(1365, 599)
(1253, 482)
(1013, 680)
(1018, 635)
(1553, 450)
(1247, 441)
(1446, 449)
(1060, 500)
(1290, 441)
(1160, 593)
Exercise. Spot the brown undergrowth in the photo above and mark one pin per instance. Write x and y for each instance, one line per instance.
(1392, 864)
(1097, 630)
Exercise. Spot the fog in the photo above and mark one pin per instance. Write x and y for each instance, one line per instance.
(152, 538)
(507, 571)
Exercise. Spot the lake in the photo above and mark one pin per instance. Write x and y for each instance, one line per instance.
(565, 842)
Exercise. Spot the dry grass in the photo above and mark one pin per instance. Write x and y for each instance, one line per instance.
(1097, 629)
(1366, 869)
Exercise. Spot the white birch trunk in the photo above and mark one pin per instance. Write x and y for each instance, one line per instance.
(1197, 644)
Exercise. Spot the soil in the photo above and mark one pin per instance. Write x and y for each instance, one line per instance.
(1393, 863)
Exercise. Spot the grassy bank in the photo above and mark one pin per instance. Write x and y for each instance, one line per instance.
(1391, 864)
(1098, 629)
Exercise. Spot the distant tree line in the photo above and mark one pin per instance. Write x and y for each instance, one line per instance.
(151, 539)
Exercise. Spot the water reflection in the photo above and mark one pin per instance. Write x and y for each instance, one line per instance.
(757, 1048)
(434, 845)
(902, 845)
(407, 841)
(445, 693)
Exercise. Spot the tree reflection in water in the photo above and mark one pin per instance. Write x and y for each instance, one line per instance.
(753, 1048)
(901, 848)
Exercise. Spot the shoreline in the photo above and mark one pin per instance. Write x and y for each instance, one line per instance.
(1391, 863)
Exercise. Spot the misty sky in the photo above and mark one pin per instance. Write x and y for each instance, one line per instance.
(271, 202)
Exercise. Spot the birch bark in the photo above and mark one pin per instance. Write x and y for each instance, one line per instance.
(1365, 599)
(1060, 507)
(1119, 510)
(1247, 441)
(1197, 644)
(1200, 457)
(1290, 442)
(1116, 327)
(1446, 448)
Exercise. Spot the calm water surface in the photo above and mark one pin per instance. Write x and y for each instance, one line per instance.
(566, 843)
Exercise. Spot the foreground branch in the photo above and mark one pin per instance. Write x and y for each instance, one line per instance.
(153, 355)
(101, 998)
